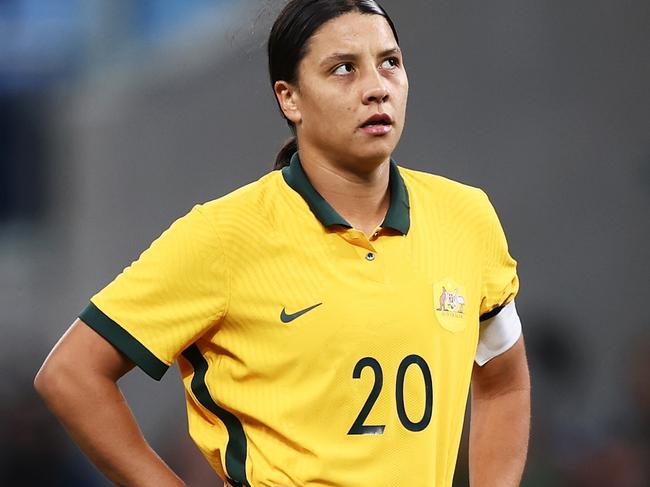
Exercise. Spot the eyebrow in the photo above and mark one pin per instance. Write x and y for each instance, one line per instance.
(346, 56)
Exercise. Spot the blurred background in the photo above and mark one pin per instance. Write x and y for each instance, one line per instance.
(117, 116)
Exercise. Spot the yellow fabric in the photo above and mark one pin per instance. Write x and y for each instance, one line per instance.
(220, 278)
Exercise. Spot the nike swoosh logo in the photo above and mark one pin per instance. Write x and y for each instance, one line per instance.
(288, 318)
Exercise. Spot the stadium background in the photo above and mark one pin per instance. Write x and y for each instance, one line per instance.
(117, 116)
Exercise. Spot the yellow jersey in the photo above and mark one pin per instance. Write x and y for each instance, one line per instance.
(311, 354)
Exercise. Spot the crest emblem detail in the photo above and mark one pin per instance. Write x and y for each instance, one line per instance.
(451, 301)
(449, 305)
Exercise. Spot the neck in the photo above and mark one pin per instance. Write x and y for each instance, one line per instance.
(358, 192)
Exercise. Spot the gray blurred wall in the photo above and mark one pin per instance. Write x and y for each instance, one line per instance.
(543, 104)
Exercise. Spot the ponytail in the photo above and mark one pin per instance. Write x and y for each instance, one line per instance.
(284, 156)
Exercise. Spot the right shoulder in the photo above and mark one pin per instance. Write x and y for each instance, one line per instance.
(249, 205)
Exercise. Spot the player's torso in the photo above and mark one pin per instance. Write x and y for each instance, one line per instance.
(343, 368)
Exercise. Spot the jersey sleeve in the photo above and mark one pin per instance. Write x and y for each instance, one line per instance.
(500, 325)
(159, 305)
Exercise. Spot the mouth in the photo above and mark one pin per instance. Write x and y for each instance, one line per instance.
(378, 125)
(378, 119)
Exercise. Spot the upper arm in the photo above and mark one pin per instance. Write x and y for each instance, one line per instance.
(81, 350)
(505, 373)
(498, 333)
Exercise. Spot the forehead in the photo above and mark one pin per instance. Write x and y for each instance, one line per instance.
(352, 32)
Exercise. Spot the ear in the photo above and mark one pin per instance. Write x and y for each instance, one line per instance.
(288, 97)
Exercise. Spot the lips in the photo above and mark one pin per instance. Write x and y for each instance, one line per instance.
(378, 119)
(378, 125)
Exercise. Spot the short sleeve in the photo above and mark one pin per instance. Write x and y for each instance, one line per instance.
(500, 283)
(159, 305)
(500, 326)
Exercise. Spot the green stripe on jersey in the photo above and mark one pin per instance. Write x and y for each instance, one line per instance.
(237, 443)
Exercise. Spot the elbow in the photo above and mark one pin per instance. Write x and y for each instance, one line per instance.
(44, 382)
(81, 363)
(52, 380)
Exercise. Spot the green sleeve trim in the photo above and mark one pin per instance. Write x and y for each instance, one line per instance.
(123, 341)
(492, 313)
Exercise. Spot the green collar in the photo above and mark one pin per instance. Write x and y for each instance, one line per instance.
(397, 217)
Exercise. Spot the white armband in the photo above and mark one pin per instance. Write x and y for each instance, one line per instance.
(498, 333)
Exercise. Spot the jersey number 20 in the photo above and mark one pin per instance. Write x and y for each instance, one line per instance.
(358, 428)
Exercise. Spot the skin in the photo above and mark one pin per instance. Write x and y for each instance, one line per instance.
(333, 97)
(500, 419)
(353, 69)
(88, 402)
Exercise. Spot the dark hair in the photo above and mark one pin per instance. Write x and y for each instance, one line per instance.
(289, 39)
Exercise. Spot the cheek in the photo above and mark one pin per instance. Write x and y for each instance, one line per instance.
(403, 88)
(334, 110)
(319, 104)
(328, 108)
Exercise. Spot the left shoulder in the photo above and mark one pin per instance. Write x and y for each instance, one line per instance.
(432, 189)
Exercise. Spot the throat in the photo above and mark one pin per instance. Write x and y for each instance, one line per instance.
(362, 201)
(365, 211)
(365, 217)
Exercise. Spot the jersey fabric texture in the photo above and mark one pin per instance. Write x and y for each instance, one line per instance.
(311, 354)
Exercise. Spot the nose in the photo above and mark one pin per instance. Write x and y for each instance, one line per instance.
(376, 90)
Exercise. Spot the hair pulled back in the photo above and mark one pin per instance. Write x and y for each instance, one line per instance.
(289, 39)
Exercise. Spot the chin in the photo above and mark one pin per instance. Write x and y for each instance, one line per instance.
(365, 153)
(378, 151)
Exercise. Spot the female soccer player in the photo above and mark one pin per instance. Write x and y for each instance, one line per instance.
(328, 318)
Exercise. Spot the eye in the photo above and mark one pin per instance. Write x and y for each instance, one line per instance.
(390, 63)
(343, 69)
